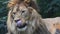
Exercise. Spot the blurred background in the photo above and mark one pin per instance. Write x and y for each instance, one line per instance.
(48, 9)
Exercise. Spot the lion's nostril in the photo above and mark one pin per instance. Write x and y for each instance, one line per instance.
(17, 20)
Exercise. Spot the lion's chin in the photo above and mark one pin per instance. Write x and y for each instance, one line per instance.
(22, 29)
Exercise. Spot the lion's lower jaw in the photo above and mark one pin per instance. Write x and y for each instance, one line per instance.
(22, 29)
(25, 30)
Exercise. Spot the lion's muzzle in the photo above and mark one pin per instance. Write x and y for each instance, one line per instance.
(20, 24)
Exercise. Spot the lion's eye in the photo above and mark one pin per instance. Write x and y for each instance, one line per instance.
(14, 13)
(23, 11)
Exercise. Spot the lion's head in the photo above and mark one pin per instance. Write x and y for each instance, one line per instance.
(23, 19)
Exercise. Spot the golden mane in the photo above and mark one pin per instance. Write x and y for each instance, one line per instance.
(31, 3)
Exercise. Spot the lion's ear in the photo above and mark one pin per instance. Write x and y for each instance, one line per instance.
(27, 1)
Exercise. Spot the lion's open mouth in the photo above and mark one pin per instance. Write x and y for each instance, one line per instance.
(21, 25)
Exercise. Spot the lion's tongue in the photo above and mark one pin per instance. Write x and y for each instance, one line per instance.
(19, 23)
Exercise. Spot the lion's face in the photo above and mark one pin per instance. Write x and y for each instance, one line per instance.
(21, 17)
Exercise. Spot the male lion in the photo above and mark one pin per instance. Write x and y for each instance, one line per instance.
(23, 19)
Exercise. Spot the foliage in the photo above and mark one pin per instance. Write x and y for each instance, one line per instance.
(3, 16)
(49, 8)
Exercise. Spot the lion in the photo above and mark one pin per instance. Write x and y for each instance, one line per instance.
(31, 3)
(52, 24)
(25, 20)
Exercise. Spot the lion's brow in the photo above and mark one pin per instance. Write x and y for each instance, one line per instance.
(17, 8)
